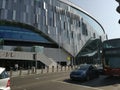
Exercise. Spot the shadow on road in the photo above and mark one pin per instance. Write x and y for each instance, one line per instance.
(98, 82)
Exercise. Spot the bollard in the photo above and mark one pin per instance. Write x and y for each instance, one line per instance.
(52, 68)
(28, 71)
(32, 72)
(47, 69)
(71, 67)
(68, 68)
(57, 68)
(10, 71)
(42, 70)
(61, 68)
(74, 67)
(35, 70)
(20, 73)
(65, 68)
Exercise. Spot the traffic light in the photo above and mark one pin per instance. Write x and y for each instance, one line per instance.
(118, 9)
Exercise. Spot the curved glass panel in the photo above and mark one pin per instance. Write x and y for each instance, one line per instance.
(14, 33)
(91, 21)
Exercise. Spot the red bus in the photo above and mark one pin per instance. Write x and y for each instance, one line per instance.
(111, 57)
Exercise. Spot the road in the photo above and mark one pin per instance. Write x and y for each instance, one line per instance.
(61, 81)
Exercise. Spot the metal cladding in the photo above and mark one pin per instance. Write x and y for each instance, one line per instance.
(60, 20)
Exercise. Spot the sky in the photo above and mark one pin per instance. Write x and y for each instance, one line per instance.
(104, 11)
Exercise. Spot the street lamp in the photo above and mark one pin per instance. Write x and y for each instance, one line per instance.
(35, 59)
(1, 42)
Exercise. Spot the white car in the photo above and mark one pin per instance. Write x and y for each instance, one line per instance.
(4, 79)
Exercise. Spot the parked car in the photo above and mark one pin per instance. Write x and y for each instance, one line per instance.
(4, 79)
(84, 72)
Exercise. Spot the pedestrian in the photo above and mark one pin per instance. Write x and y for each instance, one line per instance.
(16, 67)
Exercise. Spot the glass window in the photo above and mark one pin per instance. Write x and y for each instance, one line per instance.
(79, 23)
(14, 14)
(84, 29)
(111, 43)
(3, 75)
(46, 15)
(94, 35)
(91, 21)
(10, 16)
(84, 67)
(64, 25)
(79, 36)
(44, 5)
(15, 1)
(113, 62)
(72, 34)
(13, 33)
(3, 4)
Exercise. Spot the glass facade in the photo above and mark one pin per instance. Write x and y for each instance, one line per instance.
(63, 22)
(20, 34)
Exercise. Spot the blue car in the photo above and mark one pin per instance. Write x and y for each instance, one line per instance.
(84, 72)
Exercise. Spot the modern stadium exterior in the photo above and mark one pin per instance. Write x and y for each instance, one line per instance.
(46, 32)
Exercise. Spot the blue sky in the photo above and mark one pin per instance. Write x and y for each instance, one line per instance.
(105, 12)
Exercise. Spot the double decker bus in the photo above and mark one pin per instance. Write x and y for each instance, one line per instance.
(111, 57)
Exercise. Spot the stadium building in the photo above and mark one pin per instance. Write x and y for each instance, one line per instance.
(47, 33)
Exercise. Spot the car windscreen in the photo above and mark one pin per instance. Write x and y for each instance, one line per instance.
(3, 75)
(85, 67)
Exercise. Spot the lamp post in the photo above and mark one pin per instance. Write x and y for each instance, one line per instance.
(59, 51)
(35, 59)
(1, 42)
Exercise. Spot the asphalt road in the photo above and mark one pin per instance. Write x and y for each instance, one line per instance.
(61, 81)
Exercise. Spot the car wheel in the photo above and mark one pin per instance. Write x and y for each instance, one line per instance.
(88, 78)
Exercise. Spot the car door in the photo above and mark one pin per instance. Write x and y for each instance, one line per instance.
(91, 72)
(4, 78)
